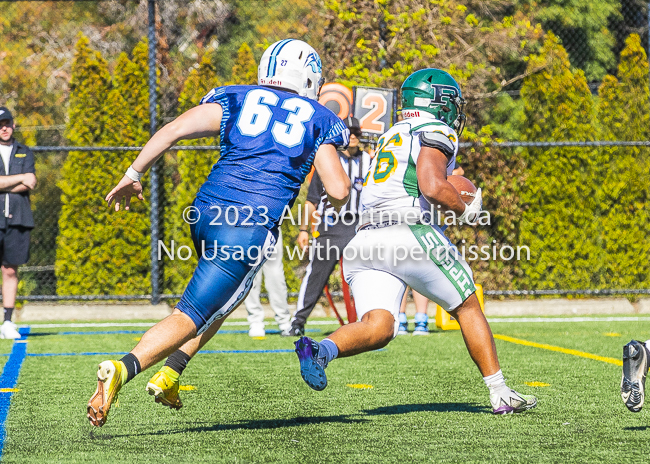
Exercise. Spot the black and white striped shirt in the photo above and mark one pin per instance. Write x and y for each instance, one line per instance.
(356, 166)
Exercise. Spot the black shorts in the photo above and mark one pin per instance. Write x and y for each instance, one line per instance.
(14, 245)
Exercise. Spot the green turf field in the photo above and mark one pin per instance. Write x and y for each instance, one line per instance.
(427, 403)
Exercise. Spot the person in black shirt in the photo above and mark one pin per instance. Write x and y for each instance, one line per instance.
(17, 179)
(334, 231)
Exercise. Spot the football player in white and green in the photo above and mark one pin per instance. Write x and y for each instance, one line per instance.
(398, 244)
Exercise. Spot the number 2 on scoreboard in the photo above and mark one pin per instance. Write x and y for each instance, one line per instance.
(371, 121)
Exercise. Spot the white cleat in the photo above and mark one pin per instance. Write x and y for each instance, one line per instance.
(257, 331)
(9, 330)
(511, 402)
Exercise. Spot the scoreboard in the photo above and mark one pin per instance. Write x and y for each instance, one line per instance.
(375, 108)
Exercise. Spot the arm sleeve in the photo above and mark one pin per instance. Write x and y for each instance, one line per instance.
(439, 141)
(339, 136)
(315, 190)
(210, 96)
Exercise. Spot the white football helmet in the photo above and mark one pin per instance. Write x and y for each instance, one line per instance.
(293, 65)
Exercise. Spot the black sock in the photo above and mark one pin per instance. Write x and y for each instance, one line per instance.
(178, 361)
(8, 313)
(132, 366)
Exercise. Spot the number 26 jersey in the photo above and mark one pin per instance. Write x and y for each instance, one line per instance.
(391, 183)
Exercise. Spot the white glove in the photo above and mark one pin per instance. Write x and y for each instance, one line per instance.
(470, 215)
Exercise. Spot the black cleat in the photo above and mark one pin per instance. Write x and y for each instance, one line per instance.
(294, 331)
(635, 367)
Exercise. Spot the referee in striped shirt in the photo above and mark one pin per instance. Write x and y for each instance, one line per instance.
(334, 231)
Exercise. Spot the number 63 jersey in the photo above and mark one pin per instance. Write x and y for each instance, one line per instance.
(268, 140)
(391, 183)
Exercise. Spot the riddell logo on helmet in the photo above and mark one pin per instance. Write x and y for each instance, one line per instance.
(267, 81)
(411, 113)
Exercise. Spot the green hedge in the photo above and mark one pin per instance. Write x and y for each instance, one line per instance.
(582, 211)
(100, 251)
(192, 169)
(624, 114)
(586, 208)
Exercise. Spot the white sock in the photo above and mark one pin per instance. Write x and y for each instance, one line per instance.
(496, 382)
(647, 344)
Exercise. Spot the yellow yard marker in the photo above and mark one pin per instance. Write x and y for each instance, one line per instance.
(359, 386)
(186, 387)
(559, 349)
(9, 390)
(537, 384)
(444, 320)
(612, 334)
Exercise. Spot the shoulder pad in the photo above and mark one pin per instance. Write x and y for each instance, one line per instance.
(438, 140)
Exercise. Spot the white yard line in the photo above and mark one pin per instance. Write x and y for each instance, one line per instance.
(492, 320)
(144, 324)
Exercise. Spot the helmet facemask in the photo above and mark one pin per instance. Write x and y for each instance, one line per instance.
(459, 123)
(310, 85)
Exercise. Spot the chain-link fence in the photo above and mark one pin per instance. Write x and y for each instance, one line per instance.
(559, 133)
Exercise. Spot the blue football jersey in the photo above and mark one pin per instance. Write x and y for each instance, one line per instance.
(269, 138)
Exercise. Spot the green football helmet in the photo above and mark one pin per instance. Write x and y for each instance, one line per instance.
(436, 92)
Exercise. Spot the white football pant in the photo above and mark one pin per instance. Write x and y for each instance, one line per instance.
(276, 287)
(379, 263)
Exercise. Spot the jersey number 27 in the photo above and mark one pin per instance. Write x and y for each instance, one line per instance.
(256, 115)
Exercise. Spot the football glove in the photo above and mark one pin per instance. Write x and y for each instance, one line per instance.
(470, 215)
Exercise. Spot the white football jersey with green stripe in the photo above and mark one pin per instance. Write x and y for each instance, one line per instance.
(394, 247)
(391, 183)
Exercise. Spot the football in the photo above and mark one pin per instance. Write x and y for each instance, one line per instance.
(464, 187)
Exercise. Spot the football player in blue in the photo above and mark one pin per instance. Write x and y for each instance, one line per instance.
(270, 136)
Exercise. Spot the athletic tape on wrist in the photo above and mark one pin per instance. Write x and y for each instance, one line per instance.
(132, 174)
